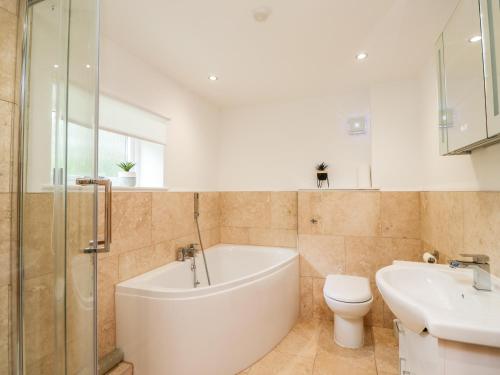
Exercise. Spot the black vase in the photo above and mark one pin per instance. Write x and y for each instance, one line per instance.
(322, 176)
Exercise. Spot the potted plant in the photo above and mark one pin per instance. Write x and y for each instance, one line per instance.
(125, 176)
(322, 174)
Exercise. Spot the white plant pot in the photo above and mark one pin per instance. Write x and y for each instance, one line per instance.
(127, 178)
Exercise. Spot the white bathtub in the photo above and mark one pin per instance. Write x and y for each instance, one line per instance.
(167, 327)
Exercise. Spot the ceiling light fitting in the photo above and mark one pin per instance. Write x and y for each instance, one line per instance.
(361, 56)
(261, 14)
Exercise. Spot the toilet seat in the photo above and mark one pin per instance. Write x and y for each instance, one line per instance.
(347, 289)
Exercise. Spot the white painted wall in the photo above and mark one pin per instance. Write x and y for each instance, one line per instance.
(396, 139)
(276, 146)
(192, 136)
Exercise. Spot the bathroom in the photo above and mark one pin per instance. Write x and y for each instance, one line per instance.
(249, 187)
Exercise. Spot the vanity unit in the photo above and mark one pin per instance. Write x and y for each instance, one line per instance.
(445, 325)
(468, 77)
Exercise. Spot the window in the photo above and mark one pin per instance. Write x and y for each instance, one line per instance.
(113, 149)
(150, 162)
(129, 133)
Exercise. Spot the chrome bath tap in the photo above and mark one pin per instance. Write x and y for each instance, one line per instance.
(186, 252)
(481, 267)
(189, 252)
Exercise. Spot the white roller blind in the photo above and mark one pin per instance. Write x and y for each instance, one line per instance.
(118, 116)
(124, 118)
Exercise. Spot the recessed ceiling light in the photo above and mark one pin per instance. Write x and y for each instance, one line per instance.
(361, 56)
(475, 39)
(261, 14)
(213, 78)
(56, 66)
(87, 66)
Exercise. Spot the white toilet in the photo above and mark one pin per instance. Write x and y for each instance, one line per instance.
(350, 299)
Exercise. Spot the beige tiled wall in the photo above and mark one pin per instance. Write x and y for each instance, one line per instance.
(356, 233)
(8, 126)
(39, 265)
(462, 222)
(147, 230)
(39, 293)
(259, 218)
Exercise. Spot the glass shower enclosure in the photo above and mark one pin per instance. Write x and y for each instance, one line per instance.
(58, 214)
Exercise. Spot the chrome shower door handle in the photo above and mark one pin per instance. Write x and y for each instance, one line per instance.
(102, 246)
(108, 190)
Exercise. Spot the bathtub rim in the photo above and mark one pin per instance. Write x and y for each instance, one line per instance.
(127, 287)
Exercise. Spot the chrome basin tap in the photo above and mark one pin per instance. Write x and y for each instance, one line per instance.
(481, 267)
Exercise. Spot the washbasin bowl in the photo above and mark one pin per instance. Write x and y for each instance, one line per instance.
(442, 301)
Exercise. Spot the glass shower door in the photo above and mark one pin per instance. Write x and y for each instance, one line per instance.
(57, 216)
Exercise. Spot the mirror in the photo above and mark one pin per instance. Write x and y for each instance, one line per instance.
(490, 16)
(463, 77)
(469, 105)
(443, 109)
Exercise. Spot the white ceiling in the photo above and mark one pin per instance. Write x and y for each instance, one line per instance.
(305, 48)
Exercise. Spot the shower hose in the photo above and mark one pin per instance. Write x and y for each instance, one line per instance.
(196, 216)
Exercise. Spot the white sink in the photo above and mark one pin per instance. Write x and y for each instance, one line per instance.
(442, 300)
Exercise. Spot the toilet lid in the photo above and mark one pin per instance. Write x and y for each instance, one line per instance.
(345, 288)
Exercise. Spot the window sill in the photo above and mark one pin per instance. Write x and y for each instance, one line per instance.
(115, 188)
(138, 188)
(341, 189)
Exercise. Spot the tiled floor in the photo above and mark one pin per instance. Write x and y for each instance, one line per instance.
(309, 350)
(123, 368)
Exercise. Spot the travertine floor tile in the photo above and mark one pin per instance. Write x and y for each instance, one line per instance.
(384, 336)
(123, 368)
(309, 349)
(333, 359)
(302, 339)
(283, 364)
(386, 351)
(333, 364)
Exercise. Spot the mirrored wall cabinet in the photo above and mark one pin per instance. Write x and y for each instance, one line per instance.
(468, 77)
